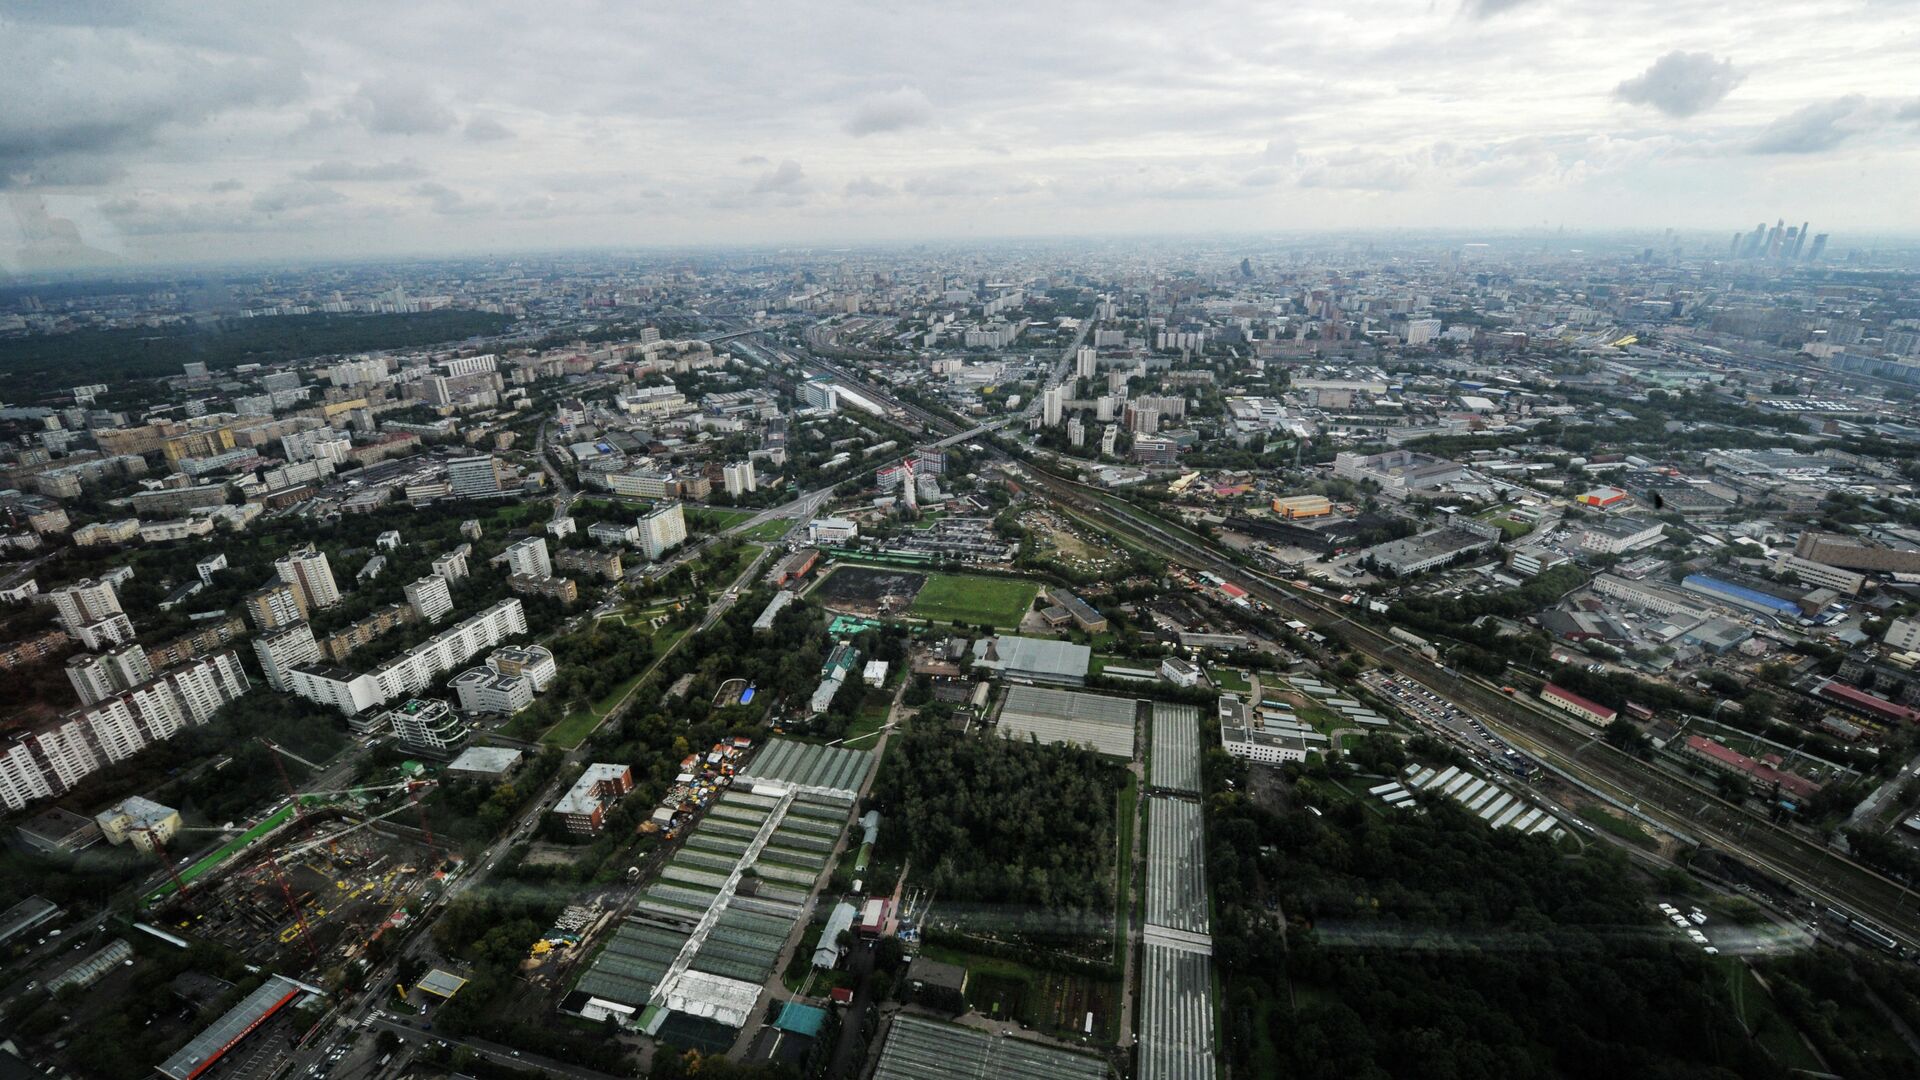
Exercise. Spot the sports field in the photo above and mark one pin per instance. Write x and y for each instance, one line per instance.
(995, 601)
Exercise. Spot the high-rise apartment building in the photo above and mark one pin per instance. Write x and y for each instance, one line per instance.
(662, 528)
(1053, 405)
(275, 606)
(306, 569)
(85, 602)
(280, 651)
(96, 676)
(529, 557)
(90, 612)
(739, 477)
(430, 598)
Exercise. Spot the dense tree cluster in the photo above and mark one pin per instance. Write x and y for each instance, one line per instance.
(43, 362)
(1001, 822)
(1430, 945)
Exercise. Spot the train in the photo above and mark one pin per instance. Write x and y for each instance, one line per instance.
(1865, 931)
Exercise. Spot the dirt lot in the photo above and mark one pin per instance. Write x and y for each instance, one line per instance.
(865, 590)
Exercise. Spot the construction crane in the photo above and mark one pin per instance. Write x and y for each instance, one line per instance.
(295, 851)
(159, 847)
(278, 749)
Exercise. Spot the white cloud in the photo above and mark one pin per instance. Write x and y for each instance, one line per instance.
(896, 110)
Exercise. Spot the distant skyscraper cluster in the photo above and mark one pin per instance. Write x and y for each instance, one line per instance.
(1782, 243)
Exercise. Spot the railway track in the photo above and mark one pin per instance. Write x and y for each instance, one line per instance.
(1677, 803)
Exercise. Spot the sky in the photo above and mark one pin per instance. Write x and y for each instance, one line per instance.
(155, 131)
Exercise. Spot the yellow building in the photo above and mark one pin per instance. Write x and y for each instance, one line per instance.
(1303, 506)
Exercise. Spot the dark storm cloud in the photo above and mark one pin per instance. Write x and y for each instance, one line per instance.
(77, 100)
(1681, 83)
(1812, 128)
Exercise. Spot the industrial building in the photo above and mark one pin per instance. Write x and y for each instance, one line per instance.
(1569, 702)
(1247, 734)
(583, 807)
(1041, 660)
(1097, 722)
(206, 1049)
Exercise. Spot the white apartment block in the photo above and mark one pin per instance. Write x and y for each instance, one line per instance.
(662, 528)
(280, 651)
(529, 557)
(739, 478)
(417, 669)
(50, 760)
(306, 569)
(430, 598)
(453, 565)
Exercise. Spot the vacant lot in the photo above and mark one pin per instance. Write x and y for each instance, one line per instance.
(995, 601)
(868, 590)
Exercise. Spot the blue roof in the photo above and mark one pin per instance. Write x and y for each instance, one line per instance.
(1711, 584)
(801, 1019)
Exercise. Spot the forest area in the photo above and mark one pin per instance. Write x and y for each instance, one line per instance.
(1427, 944)
(44, 362)
(1023, 830)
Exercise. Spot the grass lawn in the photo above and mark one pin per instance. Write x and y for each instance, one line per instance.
(573, 729)
(1609, 822)
(769, 530)
(714, 518)
(1000, 602)
(1775, 1033)
(1229, 680)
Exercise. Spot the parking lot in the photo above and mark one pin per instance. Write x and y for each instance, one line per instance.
(1446, 719)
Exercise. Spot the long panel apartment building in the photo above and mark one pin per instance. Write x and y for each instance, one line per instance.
(49, 760)
(413, 672)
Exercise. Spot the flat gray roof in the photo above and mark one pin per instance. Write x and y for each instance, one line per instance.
(921, 1048)
(1103, 724)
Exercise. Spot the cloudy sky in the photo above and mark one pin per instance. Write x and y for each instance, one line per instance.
(180, 131)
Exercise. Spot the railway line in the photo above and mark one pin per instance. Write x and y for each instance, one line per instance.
(1677, 804)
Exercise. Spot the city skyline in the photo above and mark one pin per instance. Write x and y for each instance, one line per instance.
(159, 134)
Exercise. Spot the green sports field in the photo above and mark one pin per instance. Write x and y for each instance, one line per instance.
(996, 601)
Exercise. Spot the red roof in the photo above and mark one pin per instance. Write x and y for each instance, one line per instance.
(1878, 705)
(1791, 783)
(1578, 702)
(1232, 590)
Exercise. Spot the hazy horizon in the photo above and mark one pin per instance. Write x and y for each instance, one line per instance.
(173, 133)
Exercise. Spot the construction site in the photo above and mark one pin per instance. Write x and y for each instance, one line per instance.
(315, 882)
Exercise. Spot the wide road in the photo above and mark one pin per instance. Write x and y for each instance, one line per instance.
(1676, 802)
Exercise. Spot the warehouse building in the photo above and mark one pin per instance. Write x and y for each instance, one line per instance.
(1040, 660)
(1569, 702)
(206, 1049)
